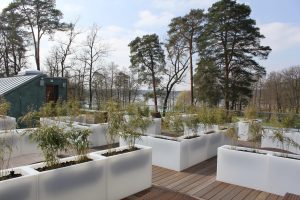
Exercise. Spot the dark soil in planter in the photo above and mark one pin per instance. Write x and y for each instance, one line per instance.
(191, 137)
(11, 175)
(251, 151)
(171, 134)
(156, 114)
(209, 132)
(166, 138)
(62, 165)
(120, 152)
(288, 157)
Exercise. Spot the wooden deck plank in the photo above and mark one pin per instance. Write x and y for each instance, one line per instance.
(230, 195)
(201, 184)
(242, 194)
(272, 197)
(207, 189)
(215, 191)
(159, 193)
(223, 193)
(252, 195)
(188, 180)
(290, 196)
(185, 175)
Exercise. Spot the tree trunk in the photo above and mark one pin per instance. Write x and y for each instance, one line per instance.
(165, 106)
(154, 92)
(37, 55)
(191, 72)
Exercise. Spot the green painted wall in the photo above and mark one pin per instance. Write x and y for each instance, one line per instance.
(33, 95)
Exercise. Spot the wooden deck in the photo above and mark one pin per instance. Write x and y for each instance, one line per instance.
(198, 182)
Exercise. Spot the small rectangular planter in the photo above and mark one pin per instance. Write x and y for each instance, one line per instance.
(246, 169)
(98, 131)
(142, 141)
(201, 129)
(7, 123)
(80, 181)
(267, 140)
(178, 153)
(154, 127)
(20, 142)
(243, 130)
(20, 188)
(165, 152)
(284, 175)
(260, 170)
(128, 173)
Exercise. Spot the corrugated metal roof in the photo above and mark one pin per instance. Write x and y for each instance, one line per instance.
(10, 83)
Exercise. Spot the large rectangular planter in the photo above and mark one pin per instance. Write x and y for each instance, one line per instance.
(7, 123)
(81, 181)
(243, 130)
(242, 168)
(21, 188)
(269, 142)
(261, 171)
(128, 173)
(98, 131)
(154, 127)
(284, 175)
(166, 152)
(141, 141)
(178, 153)
(20, 142)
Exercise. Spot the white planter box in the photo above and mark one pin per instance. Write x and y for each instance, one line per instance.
(201, 129)
(243, 130)
(20, 188)
(284, 175)
(166, 153)
(242, 168)
(264, 172)
(183, 153)
(267, 140)
(80, 181)
(20, 142)
(154, 128)
(128, 173)
(142, 141)
(7, 123)
(97, 137)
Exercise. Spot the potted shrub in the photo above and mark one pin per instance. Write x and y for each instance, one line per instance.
(68, 178)
(125, 163)
(250, 116)
(282, 136)
(6, 123)
(173, 123)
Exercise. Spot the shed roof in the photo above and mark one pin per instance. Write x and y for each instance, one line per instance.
(11, 83)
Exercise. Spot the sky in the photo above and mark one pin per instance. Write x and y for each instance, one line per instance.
(121, 21)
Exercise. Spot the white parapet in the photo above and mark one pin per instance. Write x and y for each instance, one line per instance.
(259, 169)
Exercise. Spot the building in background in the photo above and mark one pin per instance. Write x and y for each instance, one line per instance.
(30, 90)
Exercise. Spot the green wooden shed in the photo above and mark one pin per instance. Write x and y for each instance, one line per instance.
(31, 90)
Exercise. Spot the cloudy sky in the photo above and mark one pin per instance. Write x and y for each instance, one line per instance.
(122, 20)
